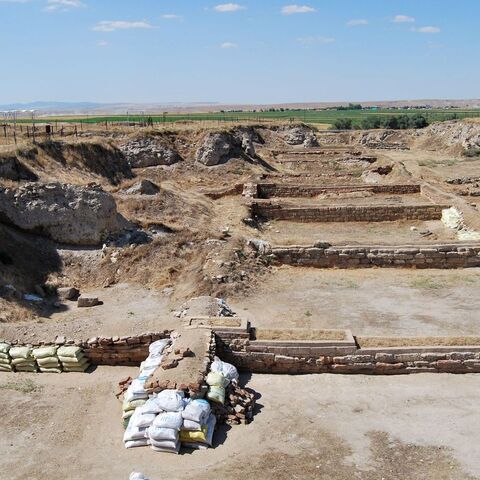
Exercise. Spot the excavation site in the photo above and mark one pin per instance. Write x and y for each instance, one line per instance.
(238, 300)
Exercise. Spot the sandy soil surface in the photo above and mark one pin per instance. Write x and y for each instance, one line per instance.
(127, 309)
(369, 302)
(68, 426)
(351, 233)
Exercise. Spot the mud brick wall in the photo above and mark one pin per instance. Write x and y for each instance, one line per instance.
(300, 359)
(128, 350)
(347, 213)
(426, 256)
(270, 190)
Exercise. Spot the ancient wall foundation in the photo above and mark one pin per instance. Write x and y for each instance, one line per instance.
(419, 256)
(346, 213)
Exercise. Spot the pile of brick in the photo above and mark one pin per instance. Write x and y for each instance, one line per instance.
(238, 408)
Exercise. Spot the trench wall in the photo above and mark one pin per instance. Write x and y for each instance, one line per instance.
(313, 357)
(347, 213)
(270, 190)
(422, 256)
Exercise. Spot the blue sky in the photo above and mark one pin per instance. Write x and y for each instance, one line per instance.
(246, 52)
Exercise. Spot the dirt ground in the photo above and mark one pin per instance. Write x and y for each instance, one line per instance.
(68, 426)
(350, 233)
(369, 302)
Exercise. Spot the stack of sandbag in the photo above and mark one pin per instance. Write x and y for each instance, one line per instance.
(5, 360)
(136, 432)
(199, 439)
(73, 359)
(134, 397)
(47, 359)
(164, 434)
(216, 387)
(195, 415)
(23, 360)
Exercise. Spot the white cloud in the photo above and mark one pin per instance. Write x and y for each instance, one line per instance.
(102, 43)
(228, 7)
(313, 39)
(170, 16)
(228, 45)
(62, 5)
(112, 25)
(291, 9)
(357, 21)
(403, 19)
(428, 29)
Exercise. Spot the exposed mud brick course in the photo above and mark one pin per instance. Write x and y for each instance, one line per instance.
(347, 213)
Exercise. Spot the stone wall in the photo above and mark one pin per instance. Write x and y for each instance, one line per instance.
(420, 256)
(312, 357)
(346, 213)
(270, 190)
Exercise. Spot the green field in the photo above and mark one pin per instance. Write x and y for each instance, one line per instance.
(308, 116)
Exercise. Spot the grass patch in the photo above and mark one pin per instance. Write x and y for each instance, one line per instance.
(426, 283)
(377, 342)
(23, 386)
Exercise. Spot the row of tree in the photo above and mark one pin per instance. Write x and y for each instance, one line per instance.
(393, 122)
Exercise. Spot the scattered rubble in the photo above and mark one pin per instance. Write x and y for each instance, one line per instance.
(205, 306)
(146, 152)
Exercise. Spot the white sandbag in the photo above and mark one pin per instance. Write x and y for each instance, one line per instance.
(175, 450)
(191, 426)
(227, 369)
(171, 400)
(48, 361)
(197, 410)
(45, 352)
(217, 379)
(20, 352)
(72, 351)
(171, 420)
(137, 476)
(169, 444)
(158, 433)
(139, 420)
(5, 361)
(51, 370)
(137, 443)
(156, 348)
(151, 406)
(4, 356)
(132, 433)
(5, 347)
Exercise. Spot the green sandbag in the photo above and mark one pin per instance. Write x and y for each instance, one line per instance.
(126, 415)
(5, 361)
(5, 347)
(73, 352)
(50, 364)
(51, 370)
(20, 352)
(72, 361)
(133, 404)
(6, 368)
(42, 362)
(24, 361)
(216, 394)
(45, 352)
(27, 369)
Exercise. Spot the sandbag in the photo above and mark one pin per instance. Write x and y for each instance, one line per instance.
(76, 369)
(24, 362)
(175, 450)
(48, 361)
(20, 352)
(132, 433)
(127, 414)
(5, 348)
(140, 420)
(5, 361)
(208, 438)
(137, 443)
(132, 405)
(227, 369)
(169, 444)
(6, 368)
(158, 433)
(73, 352)
(197, 410)
(194, 437)
(81, 358)
(44, 352)
(27, 369)
(191, 425)
(171, 400)
(4, 356)
(171, 420)
(151, 406)
(217, 379)
(156, 348)
(51, 370)
(216, 394)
